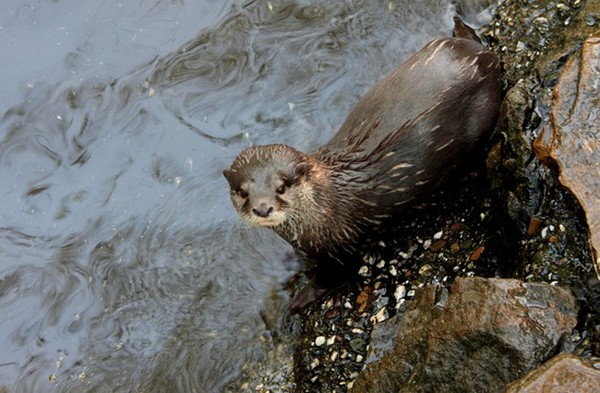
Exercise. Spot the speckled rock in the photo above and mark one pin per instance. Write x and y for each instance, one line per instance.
(563, 373)
(570, 141)
(483, 335)
(528, 225)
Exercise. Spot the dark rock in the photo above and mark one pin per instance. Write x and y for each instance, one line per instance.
(542, 227)
(563, 373)
(488, 333)
(570, 141)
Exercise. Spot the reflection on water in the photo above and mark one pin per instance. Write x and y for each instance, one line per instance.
(122, 264)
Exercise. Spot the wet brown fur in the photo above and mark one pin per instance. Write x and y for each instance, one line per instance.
(403, 139)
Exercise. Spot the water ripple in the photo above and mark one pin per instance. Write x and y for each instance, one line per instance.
(122, 266)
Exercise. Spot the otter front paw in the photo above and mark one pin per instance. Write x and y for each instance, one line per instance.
(310, 293)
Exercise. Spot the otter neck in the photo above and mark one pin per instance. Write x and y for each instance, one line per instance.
(325, 220)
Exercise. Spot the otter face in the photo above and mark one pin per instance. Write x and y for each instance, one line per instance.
(264, 185)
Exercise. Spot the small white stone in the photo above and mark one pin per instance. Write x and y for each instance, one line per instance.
(400, 292)
(320, 341)
(363, 271)
(400, 303)
(315, 363)
(381, 316)
(438, 235)
(331, 341)
(359, 358)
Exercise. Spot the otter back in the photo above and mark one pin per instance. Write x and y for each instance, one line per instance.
(416, 126)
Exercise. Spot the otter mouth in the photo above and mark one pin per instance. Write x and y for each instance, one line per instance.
(266, 223)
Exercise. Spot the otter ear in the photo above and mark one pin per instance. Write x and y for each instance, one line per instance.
(228, 175)
(302, 170)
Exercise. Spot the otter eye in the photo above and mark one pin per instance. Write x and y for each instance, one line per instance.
(281, 189)
(243, 193)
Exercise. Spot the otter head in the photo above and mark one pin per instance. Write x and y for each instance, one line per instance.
(267, 183)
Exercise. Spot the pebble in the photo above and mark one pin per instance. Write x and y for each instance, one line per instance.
(364, 271)
(315, 363)
(358, 344)
(477, 253)
(332, 313)
(381, 316)
(437, 245)
(454, 248)
(438, 235)
(320, 341)
(400, 292)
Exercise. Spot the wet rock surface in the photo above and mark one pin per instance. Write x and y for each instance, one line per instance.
(516, 222)
(569, 141)
(489, 328)
(563, 373)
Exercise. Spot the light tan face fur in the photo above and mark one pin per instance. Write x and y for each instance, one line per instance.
(265, 204)
(266, 189)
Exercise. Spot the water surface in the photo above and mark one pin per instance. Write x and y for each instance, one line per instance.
(122, 264)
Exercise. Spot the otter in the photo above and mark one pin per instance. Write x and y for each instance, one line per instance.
(405, 137)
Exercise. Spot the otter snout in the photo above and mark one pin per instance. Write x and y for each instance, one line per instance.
(263, 210)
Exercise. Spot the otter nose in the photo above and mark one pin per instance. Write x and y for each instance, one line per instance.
(263, 210)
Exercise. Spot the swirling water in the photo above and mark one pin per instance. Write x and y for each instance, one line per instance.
(122, 264)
